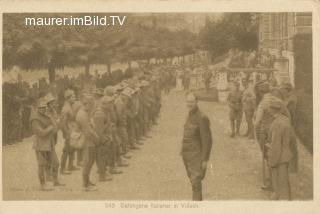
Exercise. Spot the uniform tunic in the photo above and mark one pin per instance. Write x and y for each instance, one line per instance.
(197, 143)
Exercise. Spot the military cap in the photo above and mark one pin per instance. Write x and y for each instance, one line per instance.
(68, 93)
(109, 90)
(275, 104)
(144, 83)
(49, 98)
(98, 91)
(42, 103)
(127, 92)
(264, 87)
(107, 99)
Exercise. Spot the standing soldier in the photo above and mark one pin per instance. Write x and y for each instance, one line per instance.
(262, 122)
(207, 75)
(132, 111)
(196, 146)
(279, 152)
(44, 131)
(121, 103)
(249, 104)
(146, 107)
(235, 105)
(291, 99)
(116, 143)
(53, 115)
(103, 128)
(67, 125)
(90, 139)
(75, 108)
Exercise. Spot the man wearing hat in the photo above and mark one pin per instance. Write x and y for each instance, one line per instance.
(45, 131)
(116, 144)
(279, 151)
(196, 145)
(235, 105)
(121, 103)
(291, 100)
(103, 127)
(249, 105)
(146, 107)
(91, 139)
(67, 124)
(53, 115)
(262, 121)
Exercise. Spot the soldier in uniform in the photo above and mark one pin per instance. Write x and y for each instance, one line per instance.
(90, 138)
(249, 104)
(262, 122)
(146, 105)
(121, 103)
(67, 124)
(45, 131)
(291, 99)
(116, 143)
(279, 151)
(235, 105)
(53, 115)
(103, 128)
(196, 146)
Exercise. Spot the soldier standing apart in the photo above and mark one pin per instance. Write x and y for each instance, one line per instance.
(67, 124)
(235, 105)
(45, 131)
(90, 138)
(279, 152)
(249, 104)
(196, 146)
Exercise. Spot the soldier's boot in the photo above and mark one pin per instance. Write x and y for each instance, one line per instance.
(87, 185)
(41, 175)
(197, 196)
(105, 177)
(49, 174)
(121, 162)
(238, 123)
(63, 164)
(232, 134)
(56, 181)
(197, 191)
(71, 167)
(113, 170)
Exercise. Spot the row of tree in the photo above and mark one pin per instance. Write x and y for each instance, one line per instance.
(34, 47)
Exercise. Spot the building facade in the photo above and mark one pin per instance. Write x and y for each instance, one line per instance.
(276, 35)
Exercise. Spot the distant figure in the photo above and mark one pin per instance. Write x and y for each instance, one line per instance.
(235, 106)
(196, 146)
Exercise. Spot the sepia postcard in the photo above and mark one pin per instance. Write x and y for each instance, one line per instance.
(160, 106)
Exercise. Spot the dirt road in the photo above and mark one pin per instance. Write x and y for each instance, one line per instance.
(156, 172)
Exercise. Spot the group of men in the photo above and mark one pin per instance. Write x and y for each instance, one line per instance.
(270, 113)
(101, 125)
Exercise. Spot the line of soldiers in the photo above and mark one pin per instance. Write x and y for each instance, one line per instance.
(270, 116)
(97, 125)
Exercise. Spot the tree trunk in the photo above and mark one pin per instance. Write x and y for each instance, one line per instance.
(109, 68)
(51, 72)
(87, 69)
(129, 64)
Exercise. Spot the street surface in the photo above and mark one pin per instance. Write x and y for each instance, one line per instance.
(156, 172)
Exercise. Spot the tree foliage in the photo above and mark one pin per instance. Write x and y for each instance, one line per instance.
(32, 47)
(233, 30)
